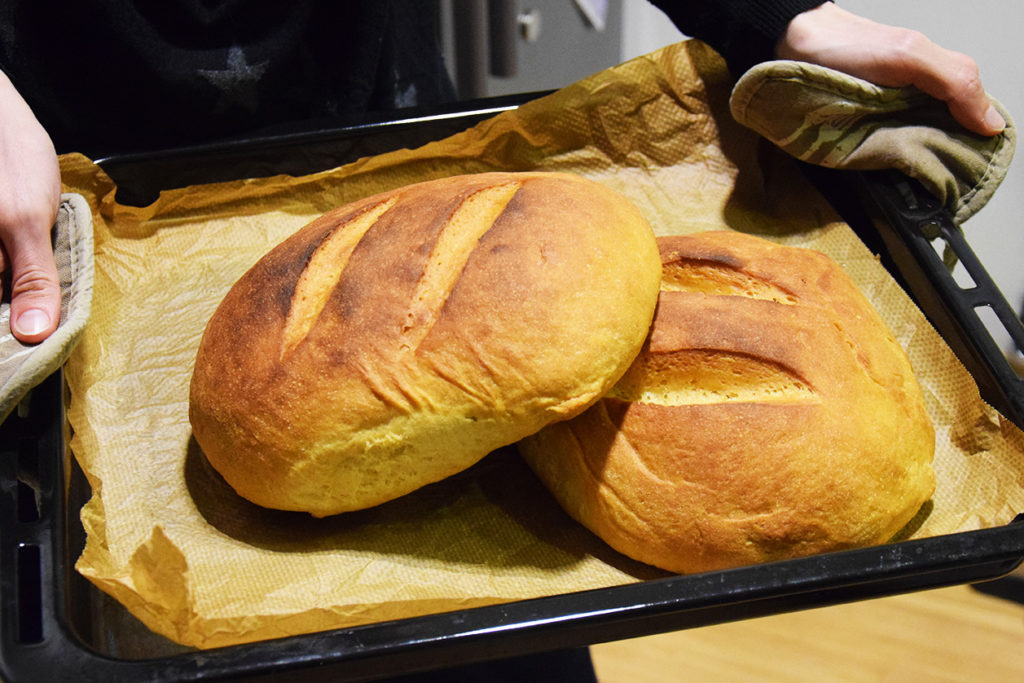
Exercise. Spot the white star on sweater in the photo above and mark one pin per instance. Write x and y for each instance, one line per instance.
(238, 82)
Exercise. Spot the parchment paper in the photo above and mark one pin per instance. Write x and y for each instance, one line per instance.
(168, 539)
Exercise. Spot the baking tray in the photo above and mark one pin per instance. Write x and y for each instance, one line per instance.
(55, 625)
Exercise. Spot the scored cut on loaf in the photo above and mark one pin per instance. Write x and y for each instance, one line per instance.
(770, 415)
(397, 340)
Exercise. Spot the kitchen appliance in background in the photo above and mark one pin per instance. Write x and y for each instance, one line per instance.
(503, 47)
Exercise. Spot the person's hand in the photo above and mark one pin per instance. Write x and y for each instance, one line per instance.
(891, 56)
(29, 196)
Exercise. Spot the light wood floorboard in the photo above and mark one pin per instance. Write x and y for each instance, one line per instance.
(949, 634)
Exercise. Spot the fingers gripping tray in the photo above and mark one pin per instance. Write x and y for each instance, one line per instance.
(22, 366)
(57, 623)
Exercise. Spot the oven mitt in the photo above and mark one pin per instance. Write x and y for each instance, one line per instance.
(23, 366)
(829, 118)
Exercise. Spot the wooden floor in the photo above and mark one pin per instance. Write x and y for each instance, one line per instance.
(949, 634)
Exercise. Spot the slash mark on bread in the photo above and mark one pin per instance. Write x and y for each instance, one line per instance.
(718, 279)
(467, 224)
(700, 376)
(323, 272)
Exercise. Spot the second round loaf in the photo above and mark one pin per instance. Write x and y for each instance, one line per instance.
(770, 415)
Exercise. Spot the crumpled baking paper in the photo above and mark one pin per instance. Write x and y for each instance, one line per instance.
(168, 539)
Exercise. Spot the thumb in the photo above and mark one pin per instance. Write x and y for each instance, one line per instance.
(35, 287)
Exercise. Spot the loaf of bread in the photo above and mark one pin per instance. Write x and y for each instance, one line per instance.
(399, 339)
(770, 415)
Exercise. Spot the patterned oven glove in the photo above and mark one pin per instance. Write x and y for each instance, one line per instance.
(829, 118)
(23, 366)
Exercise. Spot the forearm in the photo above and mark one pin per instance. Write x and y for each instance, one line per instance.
(29, 194)
(24, 147)
(13, 109)
(744, 32)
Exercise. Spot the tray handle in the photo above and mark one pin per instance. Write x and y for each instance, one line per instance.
(925, 244)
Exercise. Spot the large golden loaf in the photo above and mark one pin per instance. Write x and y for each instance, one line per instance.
(770, 415)
(399, 339)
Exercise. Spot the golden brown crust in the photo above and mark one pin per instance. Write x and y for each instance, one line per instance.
(469, 312)
(770, 415)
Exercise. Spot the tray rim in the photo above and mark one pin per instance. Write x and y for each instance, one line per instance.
(481, 633)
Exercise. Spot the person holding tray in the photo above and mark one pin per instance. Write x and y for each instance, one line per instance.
(743, 31)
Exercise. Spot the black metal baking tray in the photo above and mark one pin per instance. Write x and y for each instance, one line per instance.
(55, 625)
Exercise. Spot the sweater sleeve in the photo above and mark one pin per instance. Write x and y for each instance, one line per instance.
(744, 32)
